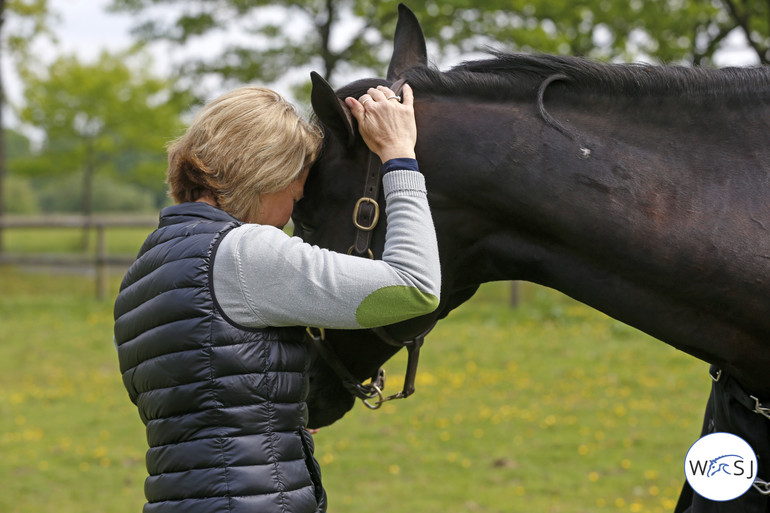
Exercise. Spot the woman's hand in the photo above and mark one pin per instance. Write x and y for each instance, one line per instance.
(386, 124)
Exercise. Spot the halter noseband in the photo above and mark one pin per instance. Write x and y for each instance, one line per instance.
(373, 390)
(366, 215)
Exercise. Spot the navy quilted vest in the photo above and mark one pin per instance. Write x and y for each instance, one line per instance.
(224, 405)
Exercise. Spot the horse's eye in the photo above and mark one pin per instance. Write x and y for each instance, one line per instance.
(305, 228)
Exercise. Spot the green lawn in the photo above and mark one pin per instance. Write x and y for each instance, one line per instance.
(550, 407)
(120, 240)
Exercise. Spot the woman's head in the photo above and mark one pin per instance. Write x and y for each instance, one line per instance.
(244, 144)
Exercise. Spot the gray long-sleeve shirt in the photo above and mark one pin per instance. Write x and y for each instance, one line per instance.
(263, 277)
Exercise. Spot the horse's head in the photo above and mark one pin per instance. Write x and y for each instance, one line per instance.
(325, 217)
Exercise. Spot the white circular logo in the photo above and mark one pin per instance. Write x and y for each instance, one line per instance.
(720, 466)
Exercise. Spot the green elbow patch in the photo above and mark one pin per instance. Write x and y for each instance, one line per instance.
(394, 304)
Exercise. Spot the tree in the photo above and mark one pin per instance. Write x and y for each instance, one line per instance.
(17, 145)
(269, 38)
(683, 31)
(110, 116)
(20, 197)
(752, 17)
(266, 39)
(31, 19)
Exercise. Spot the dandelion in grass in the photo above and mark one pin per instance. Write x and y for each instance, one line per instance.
(668, 504)
(651, 474)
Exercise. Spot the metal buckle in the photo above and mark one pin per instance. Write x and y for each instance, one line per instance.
(761, 486)
(758, 408)
(321, 333)
(380, 399)
(356, 209)
(368, 252)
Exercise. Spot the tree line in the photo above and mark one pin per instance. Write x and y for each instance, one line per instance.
(104, 124)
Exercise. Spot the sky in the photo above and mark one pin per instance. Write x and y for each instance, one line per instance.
(83, 29)
(86, 29)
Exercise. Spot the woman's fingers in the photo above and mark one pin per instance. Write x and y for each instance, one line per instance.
(379, 94)
(386, 125)
(407, 95)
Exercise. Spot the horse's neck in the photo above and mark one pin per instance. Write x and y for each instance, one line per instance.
(727, 127)
(653, 178)
(653, 234)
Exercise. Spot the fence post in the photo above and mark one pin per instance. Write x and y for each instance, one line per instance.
(101, 262)
(514, 299)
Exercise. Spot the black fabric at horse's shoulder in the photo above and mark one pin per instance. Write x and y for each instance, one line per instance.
(224, 405)
(730, 410)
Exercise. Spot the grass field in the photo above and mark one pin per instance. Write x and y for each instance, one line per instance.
(549, 407)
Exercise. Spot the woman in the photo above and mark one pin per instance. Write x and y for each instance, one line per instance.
(206, 321)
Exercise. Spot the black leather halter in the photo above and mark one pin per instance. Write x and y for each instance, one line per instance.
(366, 215)
(371, 393)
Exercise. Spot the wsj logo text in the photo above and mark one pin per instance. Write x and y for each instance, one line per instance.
(728, 465)
(720, 466)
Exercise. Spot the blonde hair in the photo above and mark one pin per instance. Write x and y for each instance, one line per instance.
(247, 142)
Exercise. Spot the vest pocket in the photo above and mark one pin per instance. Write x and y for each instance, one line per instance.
(313, 468)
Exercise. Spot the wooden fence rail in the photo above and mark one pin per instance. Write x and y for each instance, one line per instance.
(100, 260)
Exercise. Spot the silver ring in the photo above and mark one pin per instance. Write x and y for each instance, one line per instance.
(365, 100)
(395, 96)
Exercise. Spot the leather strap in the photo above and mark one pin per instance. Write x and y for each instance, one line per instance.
(367, 212)
(750, 402)
(356, 388)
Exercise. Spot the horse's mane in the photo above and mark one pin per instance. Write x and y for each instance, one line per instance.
(511, 76)
(508, 75)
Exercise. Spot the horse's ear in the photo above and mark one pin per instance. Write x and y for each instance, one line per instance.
(408, 44)
(331, 110)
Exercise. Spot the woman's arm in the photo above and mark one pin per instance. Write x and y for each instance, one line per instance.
(262, 277)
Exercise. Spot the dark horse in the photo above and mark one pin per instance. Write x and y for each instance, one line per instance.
(642, 191)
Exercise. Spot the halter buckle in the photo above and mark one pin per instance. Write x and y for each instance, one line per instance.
(368, 253)
(357, 210)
